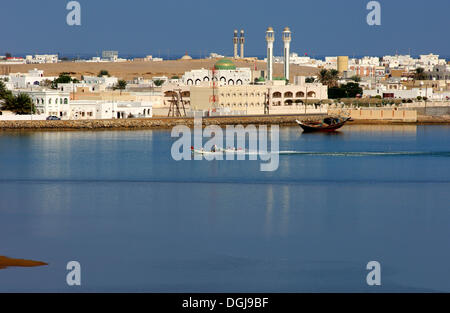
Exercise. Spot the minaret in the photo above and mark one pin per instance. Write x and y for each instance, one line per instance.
(242, 41)
(235, 42)
(270, 38)
(287, 37)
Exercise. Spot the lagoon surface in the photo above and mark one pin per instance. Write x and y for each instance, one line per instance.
(136, 220)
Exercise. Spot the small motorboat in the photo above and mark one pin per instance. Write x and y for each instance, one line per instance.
(328, 124)
(217, 150)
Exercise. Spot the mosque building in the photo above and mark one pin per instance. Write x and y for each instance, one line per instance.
(225, 73)
(243, 90)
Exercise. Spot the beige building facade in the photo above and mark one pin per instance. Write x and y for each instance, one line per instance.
(254, 97)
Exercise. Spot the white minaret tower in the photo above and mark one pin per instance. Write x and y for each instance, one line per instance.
(235, 42)
(242, 41)
(270, 38)
(287, 37)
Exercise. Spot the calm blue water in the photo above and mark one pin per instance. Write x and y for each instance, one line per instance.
(138, 221)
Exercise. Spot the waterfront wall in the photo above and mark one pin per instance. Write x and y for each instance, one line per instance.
(151, 122)
(374, 114)
(13, 117)
(274, 110)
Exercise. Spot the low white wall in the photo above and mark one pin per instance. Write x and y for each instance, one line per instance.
(11, 117)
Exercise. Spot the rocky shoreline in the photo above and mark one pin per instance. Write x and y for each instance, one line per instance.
(164, 123)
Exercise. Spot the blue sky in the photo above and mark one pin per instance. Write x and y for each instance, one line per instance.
(319, 27)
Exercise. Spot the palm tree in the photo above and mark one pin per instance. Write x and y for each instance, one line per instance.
(158, 82)
(3, 91)
(329, 77)
(333, 78)
(20, 104)
(323, 76)
(420, 74)
(103, 73)
(121, 85)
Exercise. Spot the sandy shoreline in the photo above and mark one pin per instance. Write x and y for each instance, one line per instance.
(6, 262)
(166, 123)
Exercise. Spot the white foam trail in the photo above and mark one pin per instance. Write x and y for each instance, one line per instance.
(337, 153)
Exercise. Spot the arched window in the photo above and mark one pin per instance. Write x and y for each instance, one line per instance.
(66, 101)
(276, 95)
(300, 94)
(50, 101)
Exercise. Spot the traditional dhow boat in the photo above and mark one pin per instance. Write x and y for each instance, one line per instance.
(328, 124)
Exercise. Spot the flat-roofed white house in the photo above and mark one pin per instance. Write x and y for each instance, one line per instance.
(27, 80)
(49, 102)
(42, 58)
(58, 103)
(100, 109)
(107, 81)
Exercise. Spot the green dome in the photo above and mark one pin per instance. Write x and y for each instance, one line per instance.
(224, 64)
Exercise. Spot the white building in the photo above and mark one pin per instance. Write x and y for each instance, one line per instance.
(330, 63)
(42, 58)
(429, 59)
(440, 72)
(107, 81)
(49, 102)
(385, 91)
(73, 87)
(111, 56)
(58, 103)
(304, 60)
(397, 61)
(25, 80)
(99, 109)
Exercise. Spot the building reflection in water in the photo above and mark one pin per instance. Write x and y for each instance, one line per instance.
(269, 210)
(395, 129)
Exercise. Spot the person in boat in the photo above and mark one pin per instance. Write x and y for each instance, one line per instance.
(330, 121)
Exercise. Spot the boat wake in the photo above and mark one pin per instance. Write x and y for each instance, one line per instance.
(337, 153)
(366, 153)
